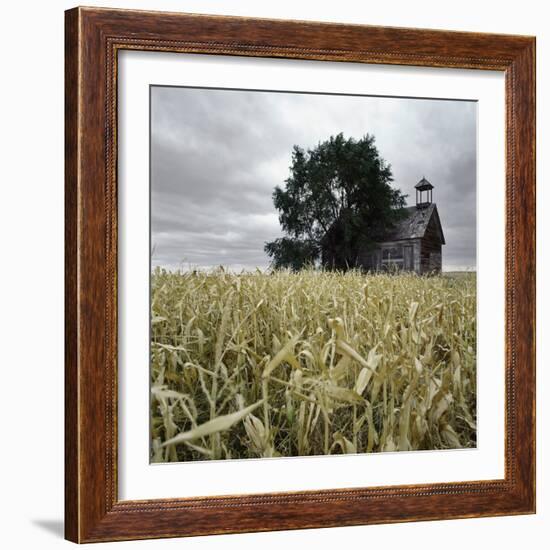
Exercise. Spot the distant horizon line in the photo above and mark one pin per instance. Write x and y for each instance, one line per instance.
(240, 269)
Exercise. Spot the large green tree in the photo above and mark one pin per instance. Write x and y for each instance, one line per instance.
(337, 201)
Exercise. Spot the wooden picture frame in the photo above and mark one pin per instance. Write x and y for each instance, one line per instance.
(93, 511)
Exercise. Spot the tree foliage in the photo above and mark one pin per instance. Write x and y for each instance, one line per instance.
(337, 201)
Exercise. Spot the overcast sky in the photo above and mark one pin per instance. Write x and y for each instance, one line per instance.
(216, 156)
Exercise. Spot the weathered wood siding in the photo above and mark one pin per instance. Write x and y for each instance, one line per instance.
(430, 250)
(372, 260)
(426, 255)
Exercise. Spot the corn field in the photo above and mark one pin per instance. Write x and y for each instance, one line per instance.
(310, 363)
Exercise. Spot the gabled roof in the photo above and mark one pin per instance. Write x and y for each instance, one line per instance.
(415, 223)
(423, 185)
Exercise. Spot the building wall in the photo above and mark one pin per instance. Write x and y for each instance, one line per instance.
(417, 247)
(430, 257)
(377, 260)
(430, 252)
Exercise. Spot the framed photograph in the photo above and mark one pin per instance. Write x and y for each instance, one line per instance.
(300, 275)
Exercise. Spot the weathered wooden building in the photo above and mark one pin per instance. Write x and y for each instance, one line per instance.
(414, 244)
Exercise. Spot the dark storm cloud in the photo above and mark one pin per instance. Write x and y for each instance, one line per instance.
(216, 156)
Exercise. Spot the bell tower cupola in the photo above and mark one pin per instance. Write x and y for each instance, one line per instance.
(423, 193)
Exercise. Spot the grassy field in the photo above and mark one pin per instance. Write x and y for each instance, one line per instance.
(310, 363)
